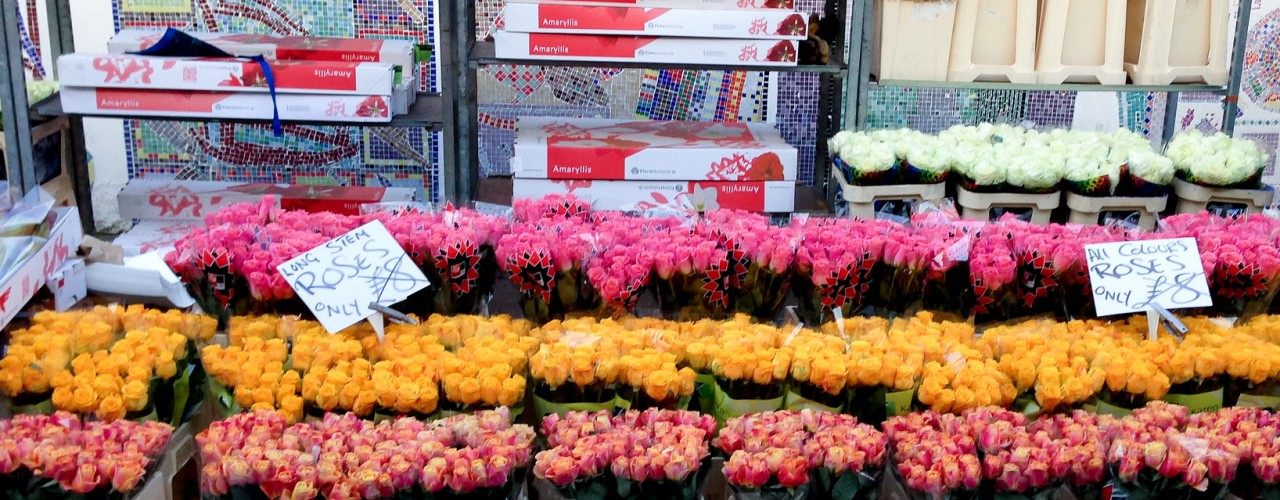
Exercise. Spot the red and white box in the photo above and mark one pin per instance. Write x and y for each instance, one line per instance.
(675, 4)
(277, 47)
(776, 24)
(193, 200)
(599, 149)
(612, 48)
(779, 196)
(22, 282)
(233, 75)
(227, 105)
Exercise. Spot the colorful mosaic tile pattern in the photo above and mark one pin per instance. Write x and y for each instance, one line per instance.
(376, 156)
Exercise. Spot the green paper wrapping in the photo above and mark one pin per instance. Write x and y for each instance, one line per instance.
(899, 402)
(797, 402)
(224, 402)
(1259, 401)
(725, 407)
(544, 407)
(41, 407)
(704, 391)
(1197, 403)
(1105, 408)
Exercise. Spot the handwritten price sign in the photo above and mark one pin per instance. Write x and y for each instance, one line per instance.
(338, 280)
(1130, 276)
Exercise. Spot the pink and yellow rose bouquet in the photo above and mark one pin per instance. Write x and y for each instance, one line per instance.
(935, 455)
(652, 454)
(1153, 454)
(62, 456)
(258, 455)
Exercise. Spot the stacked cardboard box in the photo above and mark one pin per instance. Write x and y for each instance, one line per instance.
(717, 32)
(316, 79)
(655, 165)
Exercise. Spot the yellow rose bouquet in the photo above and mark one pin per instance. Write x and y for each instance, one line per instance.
(1253, 362)
(575, 374)
(750, 374)
(1048, 362)
(486, 371)
(1196, 365)
(964, 379)
(111, 361)
(252, 376)
(649, 378)
(819, 373)
(1132, 377)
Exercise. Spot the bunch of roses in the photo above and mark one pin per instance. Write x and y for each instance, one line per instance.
(346, 457)
(455, 249)
(1155, 444)
(633, 454)
(836, 264)
(81, 457)
(935, 454)
(775, 451)
(1240, 256)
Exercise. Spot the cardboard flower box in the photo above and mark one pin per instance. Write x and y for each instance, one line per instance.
(237, 75)
(599, 149)
(173, 199)
(227, 105)
(611, 48)
(776, 196)
(631, 20)
(21, 283)
(277, 47)
(674, 4)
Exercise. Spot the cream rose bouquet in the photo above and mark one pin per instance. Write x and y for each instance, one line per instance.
(863, 160)
(1217, 160)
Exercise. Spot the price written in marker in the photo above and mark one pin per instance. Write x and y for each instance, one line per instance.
(338, 280)
(1132, 276)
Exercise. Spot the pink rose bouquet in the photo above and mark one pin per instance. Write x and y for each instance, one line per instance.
(1241, 259)
(991, 274)
(935, 454)
(692, 275)
(454, 248)
(766, 251)
(927, 267)
(61, 456)
(836, 266)
(637, 454)
(545, 260)
(1153, 454)
(258, 454)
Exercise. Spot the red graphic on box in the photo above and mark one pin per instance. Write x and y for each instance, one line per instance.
(54, 257)
(590, 158)
(124, 69)
(4, 301)
(793, 25)
(136, 99)
(549, 44)
(782, 52)
(175, 200)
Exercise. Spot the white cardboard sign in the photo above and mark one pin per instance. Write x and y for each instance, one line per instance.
(1130, 276)
(338, 280)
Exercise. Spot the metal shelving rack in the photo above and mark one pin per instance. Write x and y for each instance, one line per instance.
(477, 54)
(454, 110)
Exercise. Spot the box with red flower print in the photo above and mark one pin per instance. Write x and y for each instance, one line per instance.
(193, 200)
(628, 20)
(674, 4)
(233, 75)
(588, 148)
(776, 196)
(227, 105)
(282, 48)
(722, 51)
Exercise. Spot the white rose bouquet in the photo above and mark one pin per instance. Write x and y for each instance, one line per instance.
(1089, 168)
(1031, 167)
(928, 160)
(863, 160)
(1217, 160)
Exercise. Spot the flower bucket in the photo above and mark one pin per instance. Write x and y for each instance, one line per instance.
(544, 406)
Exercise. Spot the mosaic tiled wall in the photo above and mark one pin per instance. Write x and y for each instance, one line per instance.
(411, 157)
(373, 156)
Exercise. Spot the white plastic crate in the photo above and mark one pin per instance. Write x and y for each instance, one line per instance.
(862, 200)
(1139, 211)
(1194, 198)
(1081, 41)
(1177, 41)
(914, 37)
(1036, 208)
(994, 40)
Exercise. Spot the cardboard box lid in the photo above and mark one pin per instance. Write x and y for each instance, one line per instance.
(643, 134)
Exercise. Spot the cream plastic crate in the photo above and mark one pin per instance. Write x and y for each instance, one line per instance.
(914, 37)
(1193, 198)
(1096, 210)
(1081, 41)
(1035, 208)
(862, 199)
(1177, 41)
(994, 41)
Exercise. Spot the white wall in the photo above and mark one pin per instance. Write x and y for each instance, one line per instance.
(104, 138)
